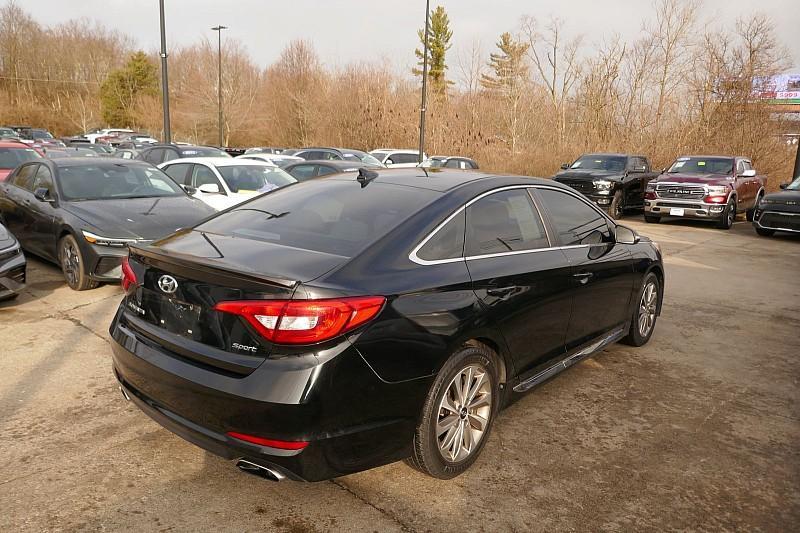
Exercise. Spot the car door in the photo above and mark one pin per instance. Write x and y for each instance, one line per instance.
(602, 271)
(522, 281)
(743, 187)
(754, 186)
(42, 215)
(203, 175)
(19, 193)
(635, 182)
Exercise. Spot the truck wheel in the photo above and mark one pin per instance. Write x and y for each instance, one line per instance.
(652, 220)
(617, 208)
(728, 215)
(764, 232)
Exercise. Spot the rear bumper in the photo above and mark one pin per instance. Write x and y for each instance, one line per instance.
(351, 419)
(12, 272)
(691, 208)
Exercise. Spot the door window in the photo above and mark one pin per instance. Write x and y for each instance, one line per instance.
(170, 154)
(505, 221)
(739, 168)
(575, 221)
(447, 243)
(202, 175)
(304, 172)
(179, 172)
(155, 156)
(747, 165)
(43, 179)
(324, 170)
(451, 163)
(402, 159)
(24, 178)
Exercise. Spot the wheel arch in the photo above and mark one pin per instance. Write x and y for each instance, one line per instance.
(658, 270)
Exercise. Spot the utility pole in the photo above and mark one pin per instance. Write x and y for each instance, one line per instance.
(164, 80)
(424, 82)
(219, 29)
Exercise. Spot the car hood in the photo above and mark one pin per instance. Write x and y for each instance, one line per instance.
(703, 179)
(588, 174)
(783, 200)
(6, 239)
(139, 218)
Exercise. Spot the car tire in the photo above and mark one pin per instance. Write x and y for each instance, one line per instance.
(617, 208)
(764, 232)
(445, 453)
(652, 220)
(728, 215)
(72, 265)
(646, 309)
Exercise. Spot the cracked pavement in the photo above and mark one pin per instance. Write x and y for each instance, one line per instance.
(700, 429)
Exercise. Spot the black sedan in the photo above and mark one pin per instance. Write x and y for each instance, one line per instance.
(82, 213)
(339, 324)
(779, 211)
(12, 265)
(306, 170)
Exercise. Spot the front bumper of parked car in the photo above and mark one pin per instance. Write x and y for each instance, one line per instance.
(697, 209)
(12, 271)
(776, 218)
(350, 419)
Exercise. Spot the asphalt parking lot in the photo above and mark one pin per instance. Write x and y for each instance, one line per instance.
(700, 429)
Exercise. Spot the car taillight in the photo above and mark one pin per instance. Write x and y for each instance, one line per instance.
(305, 321)
(272, 443)
(128, 276)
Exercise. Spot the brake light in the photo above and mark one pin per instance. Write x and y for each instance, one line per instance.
(272, 443)
(128, 276)
(305, 321)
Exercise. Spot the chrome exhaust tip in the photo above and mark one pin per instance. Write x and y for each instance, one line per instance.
(124, 393)
(260, 471)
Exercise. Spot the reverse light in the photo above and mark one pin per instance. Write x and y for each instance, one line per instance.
(272, 443)
(304, 321)
(128, 276)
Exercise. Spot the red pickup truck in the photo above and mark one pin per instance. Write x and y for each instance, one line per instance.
(714, 188)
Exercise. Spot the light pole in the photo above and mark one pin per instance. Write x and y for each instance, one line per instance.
(219, 29)
(424, 82)
(164, 81)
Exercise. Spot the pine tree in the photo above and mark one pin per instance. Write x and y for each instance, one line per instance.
(123, 86)
(509, 67)
(439, 37)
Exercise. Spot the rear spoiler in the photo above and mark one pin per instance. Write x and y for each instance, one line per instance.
(207, 266)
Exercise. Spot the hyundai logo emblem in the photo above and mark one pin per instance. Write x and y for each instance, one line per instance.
(168, 284)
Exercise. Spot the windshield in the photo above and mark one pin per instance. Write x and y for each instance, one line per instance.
(702, 165)
(355, 155)
(794, 186)
(203, 151)
(13, 157)
(600, 162)
(108, 181)
(332, 216)
(254, 178)
(40, 134)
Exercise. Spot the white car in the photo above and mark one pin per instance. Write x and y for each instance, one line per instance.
(102, 133)
(272, 159)
(397, 158)
(222, 182)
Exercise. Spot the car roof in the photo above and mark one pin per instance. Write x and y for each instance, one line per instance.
(338, 163)
(221, 161)
(443, 180)
(704, 156)
(79, 161)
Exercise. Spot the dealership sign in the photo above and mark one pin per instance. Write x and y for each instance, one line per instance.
(782, 89)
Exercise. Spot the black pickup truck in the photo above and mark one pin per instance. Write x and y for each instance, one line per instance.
(615, 182)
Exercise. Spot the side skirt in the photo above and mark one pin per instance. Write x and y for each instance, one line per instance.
(587, 351)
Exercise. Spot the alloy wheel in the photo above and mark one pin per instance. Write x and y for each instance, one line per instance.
(647, 308)
(464, 413)
(70, 263)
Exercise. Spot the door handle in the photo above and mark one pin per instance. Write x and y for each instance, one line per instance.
(583, 277)
(500, 292)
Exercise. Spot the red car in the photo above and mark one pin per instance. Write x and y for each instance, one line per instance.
(13, 154)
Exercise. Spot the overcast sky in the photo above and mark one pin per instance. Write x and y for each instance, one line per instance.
(345, 31)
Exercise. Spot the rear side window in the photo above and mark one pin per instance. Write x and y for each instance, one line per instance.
(304, 172)
(178, 172)
(332, 216)
(24, 178)
(448, 242)
(505, 221)
(576, 222)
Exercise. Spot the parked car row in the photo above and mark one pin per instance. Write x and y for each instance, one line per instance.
(712, 188)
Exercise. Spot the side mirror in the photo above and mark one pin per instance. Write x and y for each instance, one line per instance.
(42, 194)
(189, 189)
(389, 162)
(209, 188)
(565, 166)
(625, 235)
(663, 170)
(783, 185)
(748, 173)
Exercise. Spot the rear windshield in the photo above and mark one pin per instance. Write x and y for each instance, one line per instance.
(203, 151)
(13, 157)
(702, 165)
(332, 216)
